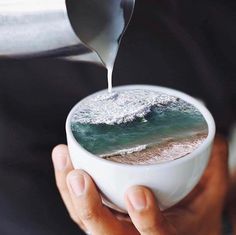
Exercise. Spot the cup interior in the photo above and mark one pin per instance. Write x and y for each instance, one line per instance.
(197, 104)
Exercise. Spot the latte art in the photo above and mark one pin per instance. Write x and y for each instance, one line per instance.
(138, 126)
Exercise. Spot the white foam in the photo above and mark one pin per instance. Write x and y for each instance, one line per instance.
(119, 107)
(123, 152)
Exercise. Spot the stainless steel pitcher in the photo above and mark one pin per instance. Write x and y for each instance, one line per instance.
(42, 28)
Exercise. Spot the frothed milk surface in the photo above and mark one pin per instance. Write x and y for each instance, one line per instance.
(138, 126)
(119, 107)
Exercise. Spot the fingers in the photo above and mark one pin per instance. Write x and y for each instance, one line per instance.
(213, 185)
(145, 214)
(84, 203)
(89, 208)
(217, 170)
(62, 166)
(219, 157)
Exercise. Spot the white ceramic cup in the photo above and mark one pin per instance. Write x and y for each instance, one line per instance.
(170, 181)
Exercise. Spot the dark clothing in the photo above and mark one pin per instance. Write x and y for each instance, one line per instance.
(187, 45)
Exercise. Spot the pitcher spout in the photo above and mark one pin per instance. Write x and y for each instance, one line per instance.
(59, 28)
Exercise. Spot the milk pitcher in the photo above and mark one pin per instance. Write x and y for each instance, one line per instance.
(72, 29)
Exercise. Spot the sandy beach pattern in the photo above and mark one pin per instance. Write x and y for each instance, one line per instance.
(169, 150)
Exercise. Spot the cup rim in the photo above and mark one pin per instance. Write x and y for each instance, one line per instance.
(203, 147)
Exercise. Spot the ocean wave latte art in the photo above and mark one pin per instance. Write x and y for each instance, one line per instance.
(138, 126)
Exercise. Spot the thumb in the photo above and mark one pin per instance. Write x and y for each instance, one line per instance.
(145, 213)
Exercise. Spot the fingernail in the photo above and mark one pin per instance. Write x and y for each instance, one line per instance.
(137, 198)
(60, 161)
(77, 183)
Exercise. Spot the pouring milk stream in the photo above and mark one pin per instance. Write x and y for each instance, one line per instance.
(105, 30)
